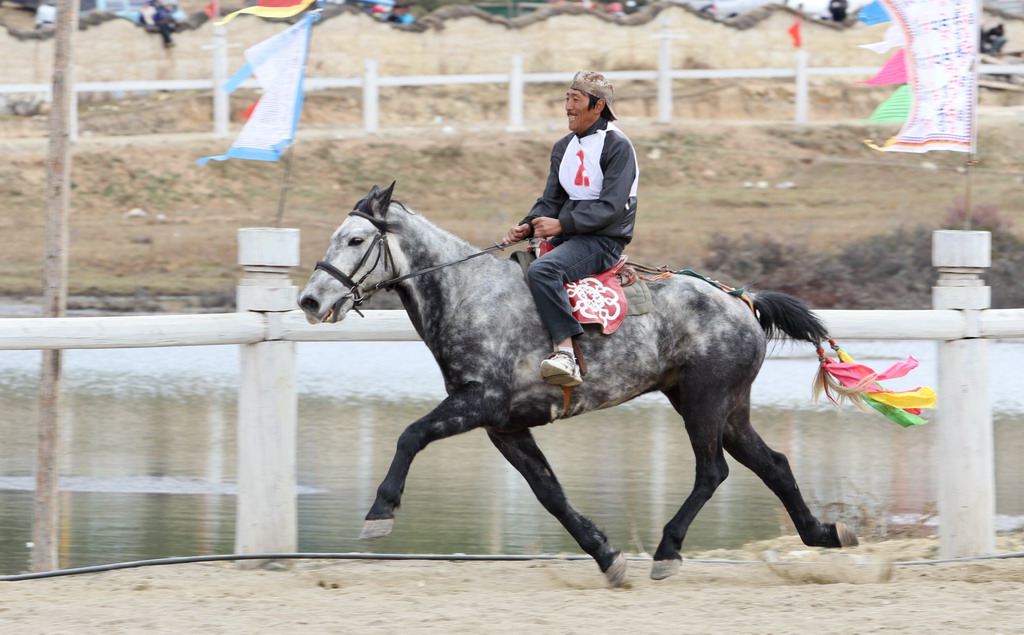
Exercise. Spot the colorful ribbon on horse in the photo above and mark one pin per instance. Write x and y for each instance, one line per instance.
(903, 407)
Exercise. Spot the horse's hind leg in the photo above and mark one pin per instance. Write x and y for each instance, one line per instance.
(704, 414)
(747, 447)
(522, 452)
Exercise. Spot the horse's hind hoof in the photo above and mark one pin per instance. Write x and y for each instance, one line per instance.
(662, 569)
(374, 529)
(846, 536)
(616, 573)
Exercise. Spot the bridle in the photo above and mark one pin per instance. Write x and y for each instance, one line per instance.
(355, 287)
(380, 241)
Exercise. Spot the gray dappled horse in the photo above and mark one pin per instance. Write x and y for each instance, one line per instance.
(699, 346)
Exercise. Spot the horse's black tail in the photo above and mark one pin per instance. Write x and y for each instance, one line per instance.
(780, 313)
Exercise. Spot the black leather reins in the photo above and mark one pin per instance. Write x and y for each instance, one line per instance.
(355, 289)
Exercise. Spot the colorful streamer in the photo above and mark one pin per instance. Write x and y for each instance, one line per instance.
(894, 72)
(903, 407)
(893, 37)
(896, 108)
(873, 13)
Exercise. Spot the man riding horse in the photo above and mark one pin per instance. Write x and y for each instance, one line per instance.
(587, 211)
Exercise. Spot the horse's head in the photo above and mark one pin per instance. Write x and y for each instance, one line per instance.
(357, 263)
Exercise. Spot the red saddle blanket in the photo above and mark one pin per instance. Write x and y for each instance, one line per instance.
(597, 299)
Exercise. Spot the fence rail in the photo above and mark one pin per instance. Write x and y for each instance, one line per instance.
(394, 326)
(370, 82)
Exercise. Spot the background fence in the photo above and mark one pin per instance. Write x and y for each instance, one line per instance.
(370, 83)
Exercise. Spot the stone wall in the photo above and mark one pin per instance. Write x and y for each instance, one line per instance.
(461, 39)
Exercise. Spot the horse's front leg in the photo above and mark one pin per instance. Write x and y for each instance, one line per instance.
(522, 452)
(468, 408)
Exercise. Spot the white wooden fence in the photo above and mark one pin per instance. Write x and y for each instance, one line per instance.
(370, 82)
(266, 326)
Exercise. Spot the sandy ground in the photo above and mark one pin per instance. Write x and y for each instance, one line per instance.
(822, 592)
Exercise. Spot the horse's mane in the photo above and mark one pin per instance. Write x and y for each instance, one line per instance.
(424, 223)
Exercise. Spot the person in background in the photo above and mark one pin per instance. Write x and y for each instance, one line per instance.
(401, 14)
(46, 15)
(615, 9)
(158, 17)
(838, 10)
(165, 22)
(993, 40)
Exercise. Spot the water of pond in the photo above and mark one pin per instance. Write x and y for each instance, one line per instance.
(149, 457)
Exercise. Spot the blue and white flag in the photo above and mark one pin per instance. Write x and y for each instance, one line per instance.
(279, 64)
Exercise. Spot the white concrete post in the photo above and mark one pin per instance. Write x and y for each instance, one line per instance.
(371, 98)
(267, 517)
(966, 457)
(802, 86)
(664, 70)
(515, 95)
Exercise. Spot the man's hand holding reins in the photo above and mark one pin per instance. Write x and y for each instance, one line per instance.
(545, 227)
(517, 233)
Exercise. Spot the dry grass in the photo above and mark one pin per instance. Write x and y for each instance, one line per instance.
(475, 184)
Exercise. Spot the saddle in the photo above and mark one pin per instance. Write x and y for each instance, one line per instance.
(606, 298)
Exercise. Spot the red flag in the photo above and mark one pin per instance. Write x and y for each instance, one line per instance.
(211, 10)
(794, 32)
(248, 111)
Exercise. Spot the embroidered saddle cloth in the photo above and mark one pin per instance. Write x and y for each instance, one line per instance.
(602, 298)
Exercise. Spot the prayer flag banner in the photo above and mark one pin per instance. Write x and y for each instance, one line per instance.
(279, 64)
(270, 9)
(941, 53)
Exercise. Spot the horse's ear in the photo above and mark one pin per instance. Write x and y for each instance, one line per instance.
(380, 200)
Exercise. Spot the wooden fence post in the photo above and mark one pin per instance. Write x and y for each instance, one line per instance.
(267, 517)
(46, 516)
(966, 456)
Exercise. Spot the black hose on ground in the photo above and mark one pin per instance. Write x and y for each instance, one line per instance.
(451, 557)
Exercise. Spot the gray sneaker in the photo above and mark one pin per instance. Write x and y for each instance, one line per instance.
(560, 369)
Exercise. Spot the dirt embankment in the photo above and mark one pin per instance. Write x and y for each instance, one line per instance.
(148, 221)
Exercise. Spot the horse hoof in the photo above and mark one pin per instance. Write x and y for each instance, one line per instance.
(846, 537)
(374, 529)
(616, 573)
(662, 569)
